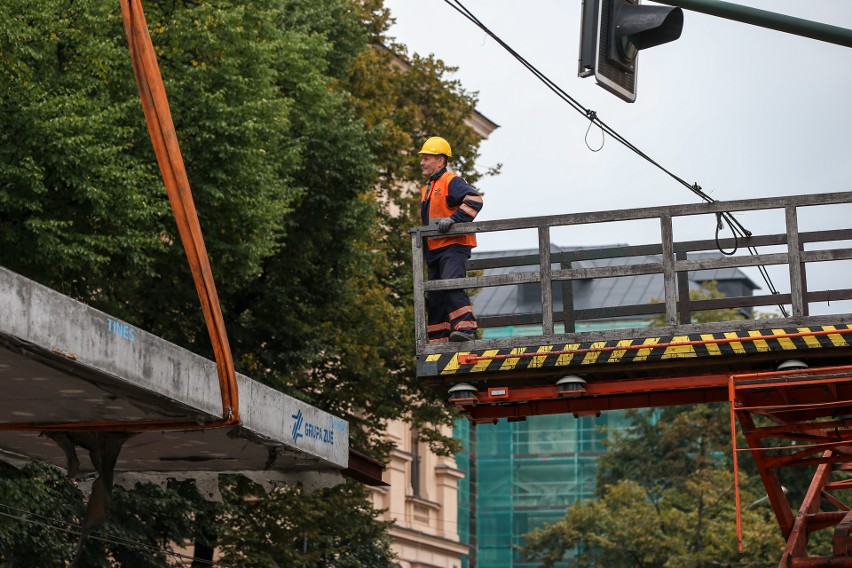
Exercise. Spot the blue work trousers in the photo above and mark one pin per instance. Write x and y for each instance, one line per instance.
(448, 310)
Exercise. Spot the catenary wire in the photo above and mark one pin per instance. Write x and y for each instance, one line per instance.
(737, 229)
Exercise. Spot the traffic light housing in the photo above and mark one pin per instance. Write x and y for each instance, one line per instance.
(613, 32)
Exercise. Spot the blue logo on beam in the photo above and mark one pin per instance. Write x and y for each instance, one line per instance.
(297, 425)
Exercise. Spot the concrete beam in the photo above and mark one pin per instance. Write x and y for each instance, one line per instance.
(63, 361)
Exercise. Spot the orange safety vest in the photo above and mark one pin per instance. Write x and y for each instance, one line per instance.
(438, 208)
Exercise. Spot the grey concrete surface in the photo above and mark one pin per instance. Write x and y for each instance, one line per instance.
(63, 361)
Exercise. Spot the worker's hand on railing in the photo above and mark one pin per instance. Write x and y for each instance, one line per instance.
(444, 224)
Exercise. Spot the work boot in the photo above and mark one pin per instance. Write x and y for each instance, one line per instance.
(459, 336)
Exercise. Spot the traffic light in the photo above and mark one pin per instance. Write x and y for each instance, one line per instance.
(611, 35)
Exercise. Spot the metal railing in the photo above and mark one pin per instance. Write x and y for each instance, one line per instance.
(674, 264)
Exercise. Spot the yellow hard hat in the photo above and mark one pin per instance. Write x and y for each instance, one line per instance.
(436, 146)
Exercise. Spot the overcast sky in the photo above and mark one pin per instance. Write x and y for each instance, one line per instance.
(744, 111)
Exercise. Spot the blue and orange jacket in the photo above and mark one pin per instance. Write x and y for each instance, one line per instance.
(448, 195)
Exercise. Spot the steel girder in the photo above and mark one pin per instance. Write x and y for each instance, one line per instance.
(800, 418)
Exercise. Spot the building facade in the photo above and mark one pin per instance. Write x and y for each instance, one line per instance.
(521, 475)
(422, 500)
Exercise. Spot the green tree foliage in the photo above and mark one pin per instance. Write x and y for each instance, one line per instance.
(75, 211)
(31, 499)
(296, 130)
(42, 513)
(662, 448)
(291, 528)
(666, 498)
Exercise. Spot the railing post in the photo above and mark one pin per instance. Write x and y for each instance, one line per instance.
(567, 297)
(794, 261)
(669, 280)
(683, 292)
(419, 294)
(545, 273)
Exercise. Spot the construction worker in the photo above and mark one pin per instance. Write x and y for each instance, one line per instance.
(447, 199)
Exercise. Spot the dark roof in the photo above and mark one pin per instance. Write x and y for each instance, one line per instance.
(594, 293)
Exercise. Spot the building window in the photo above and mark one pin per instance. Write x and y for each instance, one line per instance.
(416, 460)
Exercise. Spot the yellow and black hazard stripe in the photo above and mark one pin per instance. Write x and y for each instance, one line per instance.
(647, 349)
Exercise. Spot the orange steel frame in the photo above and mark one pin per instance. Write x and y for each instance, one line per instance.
(517, 403)
(793, 419)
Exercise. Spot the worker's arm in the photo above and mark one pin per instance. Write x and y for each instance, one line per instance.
(467, 199)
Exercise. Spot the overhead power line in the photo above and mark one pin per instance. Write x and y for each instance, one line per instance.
(737, 229)
(73, 529)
